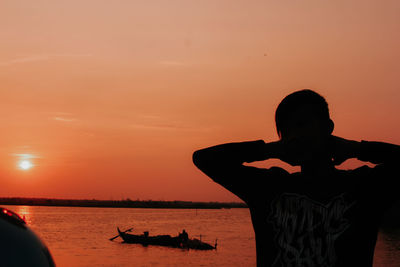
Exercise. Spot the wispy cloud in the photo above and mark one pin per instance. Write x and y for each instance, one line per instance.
(25, 156)
(156, 122)
(42, 57)
(63, 119)
(63, 113)
(158, 126)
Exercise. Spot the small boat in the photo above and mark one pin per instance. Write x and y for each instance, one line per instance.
(166, 240)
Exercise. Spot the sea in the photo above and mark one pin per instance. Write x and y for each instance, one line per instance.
(79, 236)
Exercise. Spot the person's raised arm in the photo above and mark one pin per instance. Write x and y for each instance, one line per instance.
(224, 164)
(374, 152)
(379, 152)
(380, 181)
(233, 154)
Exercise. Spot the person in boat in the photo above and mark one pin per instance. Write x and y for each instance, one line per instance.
(184, 237)
(321, 215)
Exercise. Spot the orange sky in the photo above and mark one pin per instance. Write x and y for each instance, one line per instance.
(109, 99)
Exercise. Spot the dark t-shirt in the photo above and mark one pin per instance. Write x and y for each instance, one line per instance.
(303, 221)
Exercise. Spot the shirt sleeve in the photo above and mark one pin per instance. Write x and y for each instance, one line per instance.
(225, 165)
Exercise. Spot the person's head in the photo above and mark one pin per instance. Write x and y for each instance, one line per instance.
(303, 116)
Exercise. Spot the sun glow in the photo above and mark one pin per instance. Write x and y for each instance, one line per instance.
(25, 164)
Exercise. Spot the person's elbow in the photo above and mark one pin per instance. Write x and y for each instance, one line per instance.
(200, 158)
(206, 160)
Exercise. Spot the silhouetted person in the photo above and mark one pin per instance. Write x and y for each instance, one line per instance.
(320, 216)
(184, 236)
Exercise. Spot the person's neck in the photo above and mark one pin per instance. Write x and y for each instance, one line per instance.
(318, 168)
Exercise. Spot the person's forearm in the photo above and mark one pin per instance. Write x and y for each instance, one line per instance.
(379, 152)
(235, 153)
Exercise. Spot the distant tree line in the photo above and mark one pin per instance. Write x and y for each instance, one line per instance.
(127, 203)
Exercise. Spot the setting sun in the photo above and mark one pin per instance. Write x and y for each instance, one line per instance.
(25, 164)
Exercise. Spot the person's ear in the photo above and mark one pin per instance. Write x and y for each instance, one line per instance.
(331, 126)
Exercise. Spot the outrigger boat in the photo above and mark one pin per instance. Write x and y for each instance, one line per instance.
(180, 241)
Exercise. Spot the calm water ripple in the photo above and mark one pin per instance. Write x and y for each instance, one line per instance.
(78, 237)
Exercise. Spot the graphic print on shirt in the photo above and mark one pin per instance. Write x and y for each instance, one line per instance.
(306, 230)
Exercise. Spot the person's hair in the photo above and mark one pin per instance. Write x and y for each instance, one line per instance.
(293, 101)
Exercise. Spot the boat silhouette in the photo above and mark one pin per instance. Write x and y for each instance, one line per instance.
(181, 241)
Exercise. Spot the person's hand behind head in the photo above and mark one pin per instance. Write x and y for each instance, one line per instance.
(342, 149)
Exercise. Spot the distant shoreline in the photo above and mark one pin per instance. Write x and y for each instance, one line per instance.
(152, 204)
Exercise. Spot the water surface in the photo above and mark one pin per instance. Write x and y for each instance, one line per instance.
(79, 236)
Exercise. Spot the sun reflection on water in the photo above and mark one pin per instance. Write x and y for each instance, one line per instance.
(25, 212)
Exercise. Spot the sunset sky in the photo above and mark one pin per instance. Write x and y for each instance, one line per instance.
(109, 99)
